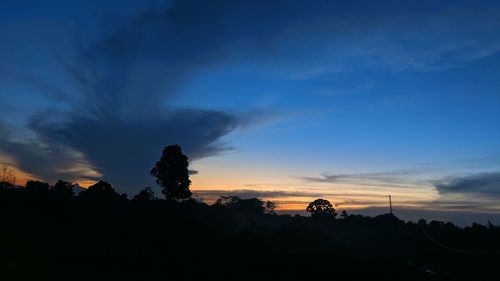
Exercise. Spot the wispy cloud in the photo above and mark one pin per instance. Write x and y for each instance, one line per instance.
(395, 178)
(46, 160)
(481, 184)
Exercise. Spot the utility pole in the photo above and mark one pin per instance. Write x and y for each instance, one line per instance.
(390, 204)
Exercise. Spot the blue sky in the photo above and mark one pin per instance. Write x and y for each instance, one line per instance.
(326, 97)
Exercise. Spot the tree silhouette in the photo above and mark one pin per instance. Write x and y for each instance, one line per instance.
(145, 195)
(101, 191)
(344, 215)
(172, 173)
(270, 206)
(37, 186)
(7, 177)
(321, 208)
(227, 202)
(63, 188)
(251, 205)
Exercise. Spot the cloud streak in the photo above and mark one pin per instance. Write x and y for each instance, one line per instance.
(45, 160)
(483, 184)
(396, 178)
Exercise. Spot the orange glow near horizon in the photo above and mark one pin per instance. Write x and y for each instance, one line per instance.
(290, 194)
(296, 196)
(19, 177)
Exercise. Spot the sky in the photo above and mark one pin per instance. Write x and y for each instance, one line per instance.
(283, 100)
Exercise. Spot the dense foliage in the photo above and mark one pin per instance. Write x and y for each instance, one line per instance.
(98, 234)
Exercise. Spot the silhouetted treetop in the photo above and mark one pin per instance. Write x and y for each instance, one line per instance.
(145, 195)
(270, 206)
(227, 202)
(37, 186)
(321, 208)
(172, 173)
(344, 215)
(102, 191)
(63, 187)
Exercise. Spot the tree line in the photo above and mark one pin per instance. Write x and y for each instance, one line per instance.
(172, 175)
(49, 230)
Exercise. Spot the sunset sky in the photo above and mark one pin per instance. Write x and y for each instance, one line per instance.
(283, 100)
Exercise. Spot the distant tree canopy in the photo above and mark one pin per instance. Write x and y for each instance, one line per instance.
(38, 186)
(63, 187)
(101, 191)
(101, 233)
(227, 202)
(252, 205)
(321, 208)
(344, 215)
(172, 173)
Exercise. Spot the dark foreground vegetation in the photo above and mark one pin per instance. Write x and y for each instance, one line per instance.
(50, 233)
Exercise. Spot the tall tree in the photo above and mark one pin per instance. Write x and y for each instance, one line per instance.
(172, 173)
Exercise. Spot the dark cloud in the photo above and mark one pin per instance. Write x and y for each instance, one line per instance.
(482, 184)
(124, 152)
(120, 118)
(456, 203)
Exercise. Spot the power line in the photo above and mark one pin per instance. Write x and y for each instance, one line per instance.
(458, 250)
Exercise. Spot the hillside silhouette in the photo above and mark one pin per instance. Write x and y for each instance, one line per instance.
(54, 233)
